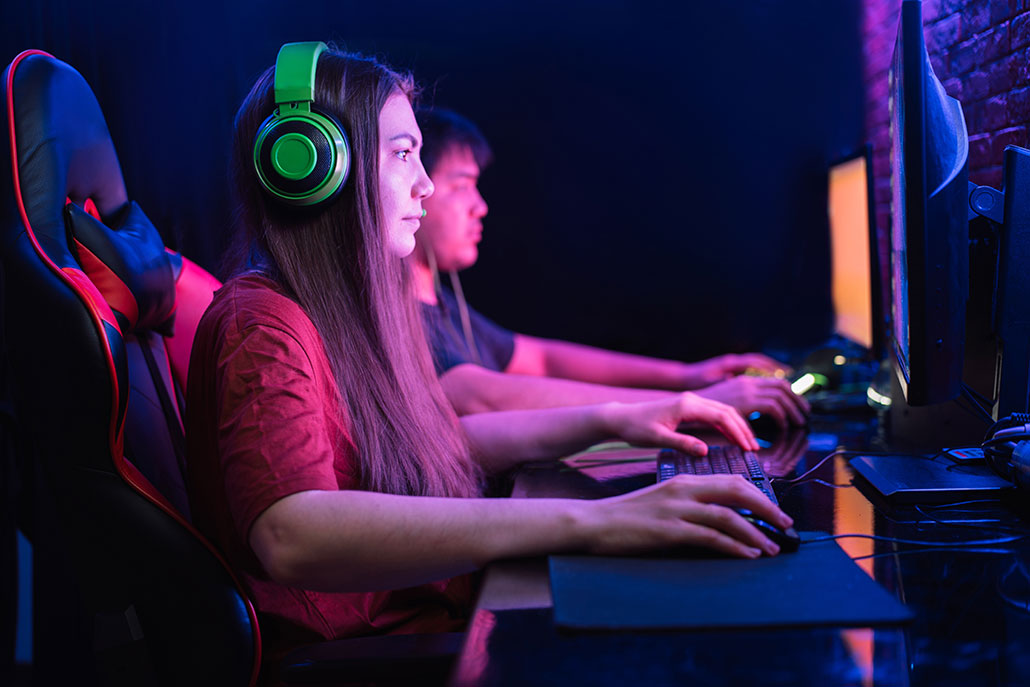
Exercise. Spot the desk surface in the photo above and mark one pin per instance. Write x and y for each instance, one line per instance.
(972, 607)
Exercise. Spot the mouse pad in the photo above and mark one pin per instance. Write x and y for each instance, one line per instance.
(817, 585)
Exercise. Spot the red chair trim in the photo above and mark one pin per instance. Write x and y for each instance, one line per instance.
(94, 311)
(91, 209)
(77, 281)
(89, 206)
(89, 292)
(171, 377)
(113, 289)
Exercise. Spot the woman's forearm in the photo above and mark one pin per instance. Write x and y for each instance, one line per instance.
(351, 541)
(354, 541)
(504, 439)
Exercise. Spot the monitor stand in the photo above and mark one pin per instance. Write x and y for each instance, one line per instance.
(909, 479)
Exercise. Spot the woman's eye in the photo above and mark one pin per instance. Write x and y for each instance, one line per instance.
(403, 154)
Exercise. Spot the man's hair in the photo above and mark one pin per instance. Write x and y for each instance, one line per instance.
(443, 129)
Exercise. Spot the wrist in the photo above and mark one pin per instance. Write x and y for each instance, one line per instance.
(689, 376)
(607, 420)
(583, 519)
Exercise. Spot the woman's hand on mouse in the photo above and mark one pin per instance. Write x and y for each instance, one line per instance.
(654, 423)
(687, 510)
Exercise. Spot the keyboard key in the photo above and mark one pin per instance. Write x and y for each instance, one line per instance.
(721, 460)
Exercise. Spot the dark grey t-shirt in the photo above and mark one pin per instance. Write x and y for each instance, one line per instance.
(447, 343)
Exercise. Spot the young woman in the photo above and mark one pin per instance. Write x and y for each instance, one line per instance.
(324, 459)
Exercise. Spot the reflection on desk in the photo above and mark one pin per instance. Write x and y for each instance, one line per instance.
(972, 606)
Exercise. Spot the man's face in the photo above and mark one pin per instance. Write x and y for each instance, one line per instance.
(453, 227)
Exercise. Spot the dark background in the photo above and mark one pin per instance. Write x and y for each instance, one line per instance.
(659, 183)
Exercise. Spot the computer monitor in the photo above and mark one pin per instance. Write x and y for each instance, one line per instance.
(939, 347)
(854, 267)
(929, 224)
(1010, 307)
(998, 344)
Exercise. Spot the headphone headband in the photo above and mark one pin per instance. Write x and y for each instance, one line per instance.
(295, 72)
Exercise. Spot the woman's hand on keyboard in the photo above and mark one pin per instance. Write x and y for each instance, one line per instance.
(654, 423)
(685, 511)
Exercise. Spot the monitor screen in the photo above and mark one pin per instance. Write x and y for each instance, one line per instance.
(850, 251)
(898, 255)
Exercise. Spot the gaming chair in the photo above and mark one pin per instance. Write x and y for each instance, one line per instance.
(96, 361)
(98, 320)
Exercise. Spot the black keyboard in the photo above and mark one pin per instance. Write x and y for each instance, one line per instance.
(721, 460)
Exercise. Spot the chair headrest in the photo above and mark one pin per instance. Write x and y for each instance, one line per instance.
(129, 266)
(64, 154)
(64, 149)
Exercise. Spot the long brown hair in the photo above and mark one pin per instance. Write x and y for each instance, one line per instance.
(335, 263)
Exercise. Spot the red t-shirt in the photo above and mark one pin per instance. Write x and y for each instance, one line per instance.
(264, 421)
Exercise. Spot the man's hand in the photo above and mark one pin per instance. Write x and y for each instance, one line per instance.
(723, 367)
(767, 395)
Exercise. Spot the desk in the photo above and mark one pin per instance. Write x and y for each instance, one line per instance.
(972, 623)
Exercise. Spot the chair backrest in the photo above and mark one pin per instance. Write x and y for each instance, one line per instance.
(90, 300)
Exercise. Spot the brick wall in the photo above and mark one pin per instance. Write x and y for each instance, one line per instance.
(980, 51)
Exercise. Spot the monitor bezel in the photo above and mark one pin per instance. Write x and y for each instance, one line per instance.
(880, 322)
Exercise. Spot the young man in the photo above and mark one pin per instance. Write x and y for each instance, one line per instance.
(484, 367)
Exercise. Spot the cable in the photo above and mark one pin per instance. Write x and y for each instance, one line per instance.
(800, 479)
(431, 259)
(840, 452)
(916, 542)
(996, 526)
(806, 473)
(1020, 604)
(1015, 419)
(963, 503)
(463, 308)
(884, 554)
(1000, 528)
(463, 312)
(984, 401)
(818, 481)
(971, 396)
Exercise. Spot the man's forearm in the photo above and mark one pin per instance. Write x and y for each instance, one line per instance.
(582, 363)
(473, 389)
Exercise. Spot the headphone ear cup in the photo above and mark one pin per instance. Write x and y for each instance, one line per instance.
(302, 157)
(997, 457)
(1019, 464)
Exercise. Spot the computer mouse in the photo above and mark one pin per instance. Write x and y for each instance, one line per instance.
(827, 361)
(767, 430)
(764, 426)
(787, 539)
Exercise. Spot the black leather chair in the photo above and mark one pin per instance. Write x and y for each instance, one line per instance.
(87, 316)
(98, 320)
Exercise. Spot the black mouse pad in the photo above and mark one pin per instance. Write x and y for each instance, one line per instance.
(817, 585)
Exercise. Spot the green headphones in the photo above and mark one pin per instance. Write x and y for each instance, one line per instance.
(301, 155)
